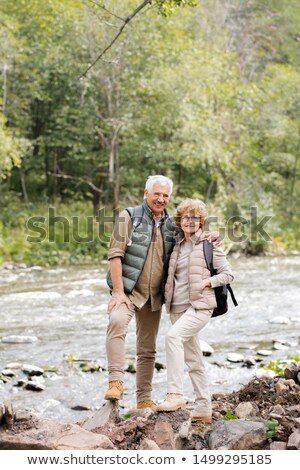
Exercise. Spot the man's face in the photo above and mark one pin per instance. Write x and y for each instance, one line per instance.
(158, 198)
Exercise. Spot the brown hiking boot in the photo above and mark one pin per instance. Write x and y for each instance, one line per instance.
(146, 404)
(115, 390)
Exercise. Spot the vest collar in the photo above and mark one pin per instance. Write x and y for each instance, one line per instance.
(149, 212)
(196, 239)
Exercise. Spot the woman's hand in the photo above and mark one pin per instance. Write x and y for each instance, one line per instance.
(205, 283)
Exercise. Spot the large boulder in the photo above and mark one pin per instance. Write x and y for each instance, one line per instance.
(44, 434)
(237, 434)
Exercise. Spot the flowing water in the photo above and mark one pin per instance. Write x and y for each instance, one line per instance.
(64, 310)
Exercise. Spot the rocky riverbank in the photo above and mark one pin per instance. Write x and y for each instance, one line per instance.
(264, 414)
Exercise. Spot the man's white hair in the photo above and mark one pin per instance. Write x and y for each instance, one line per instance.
(158, 179)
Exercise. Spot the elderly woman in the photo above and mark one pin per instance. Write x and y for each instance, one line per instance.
(190, 300)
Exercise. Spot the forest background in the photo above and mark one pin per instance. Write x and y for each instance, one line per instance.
(208, 95)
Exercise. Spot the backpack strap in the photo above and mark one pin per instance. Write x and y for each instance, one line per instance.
(208, 255)
(229, 288)
(136, 214)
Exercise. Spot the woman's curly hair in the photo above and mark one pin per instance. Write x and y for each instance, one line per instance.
(191, 206)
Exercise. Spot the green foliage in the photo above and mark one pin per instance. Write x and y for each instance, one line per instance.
(166, 7)
(209, 96)
(12, 148)
(230, 415)
(279, 365)
(72, 358)
(36, 236)
(271, 425)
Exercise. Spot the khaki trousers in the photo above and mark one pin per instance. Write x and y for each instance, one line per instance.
(183, 346)
(147, 324)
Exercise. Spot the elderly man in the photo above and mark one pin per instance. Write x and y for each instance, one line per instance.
(139, 253)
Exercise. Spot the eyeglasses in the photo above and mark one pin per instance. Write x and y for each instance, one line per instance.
(186, 218)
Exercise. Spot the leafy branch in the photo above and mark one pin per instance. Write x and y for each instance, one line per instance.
(165, 7)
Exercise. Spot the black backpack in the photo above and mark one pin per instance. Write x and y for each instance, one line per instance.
(221, 291)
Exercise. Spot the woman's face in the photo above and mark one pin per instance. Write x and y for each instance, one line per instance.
(190, 224)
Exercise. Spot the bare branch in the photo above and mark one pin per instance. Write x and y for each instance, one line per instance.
(80, 180)
(103, 138)
(125, 23)
(105, 9)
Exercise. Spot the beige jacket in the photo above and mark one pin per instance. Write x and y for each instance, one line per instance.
(198, 271)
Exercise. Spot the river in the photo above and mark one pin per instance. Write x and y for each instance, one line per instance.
(63, 311)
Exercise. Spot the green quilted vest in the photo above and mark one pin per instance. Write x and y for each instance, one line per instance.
(137, 250)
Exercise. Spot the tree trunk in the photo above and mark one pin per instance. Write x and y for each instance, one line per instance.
(51, 181)
(23, 185)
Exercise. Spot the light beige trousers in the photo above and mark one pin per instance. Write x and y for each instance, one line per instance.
(147, 324)
(183, 346)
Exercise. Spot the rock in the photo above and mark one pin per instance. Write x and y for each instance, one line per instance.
(46, 434)
(30, 370)
(294, 440)
(278, 445)
(18, 339)
(280, 387)
(279, 346)
(35, 386)
(35, 268)
(237, 434)
(8, 373)
(294, 410)
(219, 396)
(143, 413)
(164, 435)
(23, 415)
(265, 352)
(89, 367)
(21, 383)
(159, 366)
(8, 414)
(206, 349)
(5, 378)
(108, 412)
(1, 415)
(291, 371)
(149, 444)
(276, 410)
(131, 368)
(234, 357)
(290, 383)
(246, 410)
(81, 408)
(13, 365)
(184, 429)
(250, 361)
